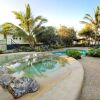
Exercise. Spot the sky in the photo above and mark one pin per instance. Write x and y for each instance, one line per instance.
(58, 12)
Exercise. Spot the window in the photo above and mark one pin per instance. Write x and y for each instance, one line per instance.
(15, 38)
(19, 38)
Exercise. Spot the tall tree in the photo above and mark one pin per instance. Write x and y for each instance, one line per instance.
(30, 25)
(48, 36)
(66, 34)
(94, 21)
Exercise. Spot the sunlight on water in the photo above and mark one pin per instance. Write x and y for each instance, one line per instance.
(33, 65)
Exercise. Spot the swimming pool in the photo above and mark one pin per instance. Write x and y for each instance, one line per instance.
(83, 52)
(35, 65)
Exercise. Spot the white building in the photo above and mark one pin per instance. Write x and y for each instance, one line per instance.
(11, 40)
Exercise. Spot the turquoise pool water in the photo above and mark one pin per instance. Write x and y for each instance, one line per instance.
(30, 66)
(83, 52)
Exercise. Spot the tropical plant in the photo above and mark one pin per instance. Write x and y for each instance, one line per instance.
(94, 52)
(73, 53)
(31, 26)
(94, 21)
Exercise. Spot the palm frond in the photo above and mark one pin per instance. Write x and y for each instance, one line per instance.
(90, 20)
(97, 13)
(84, 22)
(18, 15)
(28, 11)
(89, 16)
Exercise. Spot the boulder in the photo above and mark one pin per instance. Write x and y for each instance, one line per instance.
(5, 80)
(3, 70)
(21, 86)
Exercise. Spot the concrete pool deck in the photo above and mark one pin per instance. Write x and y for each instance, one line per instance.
(64, 85)
(91, 86)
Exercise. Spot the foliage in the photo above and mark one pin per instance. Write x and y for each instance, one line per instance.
(40, 49)
(48, 36)
(97, 47)
(94, 52)
(67, 35)
(87, 31)
(73, 53)
(56, 46)
(83, 43)
(6, 29)
(25, 49)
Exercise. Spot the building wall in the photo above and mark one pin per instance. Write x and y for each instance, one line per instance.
(1, 37)
(17, 40)
(3, 45)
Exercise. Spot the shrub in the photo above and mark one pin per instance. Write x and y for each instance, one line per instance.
(73, 53)
(91, 52)
(56, 46)
(94, 52)
(39, 49)
(97, 53)
(26, 49)
(97, 47)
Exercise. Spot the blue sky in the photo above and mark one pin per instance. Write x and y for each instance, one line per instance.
(58, 12)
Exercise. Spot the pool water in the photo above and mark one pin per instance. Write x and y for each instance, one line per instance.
(59, 52)
(83, 52)
(30, 66)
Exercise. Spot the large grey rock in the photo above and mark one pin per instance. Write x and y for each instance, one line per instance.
(5, 80)
(3, 70)
(21, 86)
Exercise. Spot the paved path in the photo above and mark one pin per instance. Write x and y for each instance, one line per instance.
(91, 85)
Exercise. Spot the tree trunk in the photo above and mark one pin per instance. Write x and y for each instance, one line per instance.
(32, 42)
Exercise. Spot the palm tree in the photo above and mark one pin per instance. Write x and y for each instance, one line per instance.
(93, 21)
(6, 29)
(88, 33)
(31, 26)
